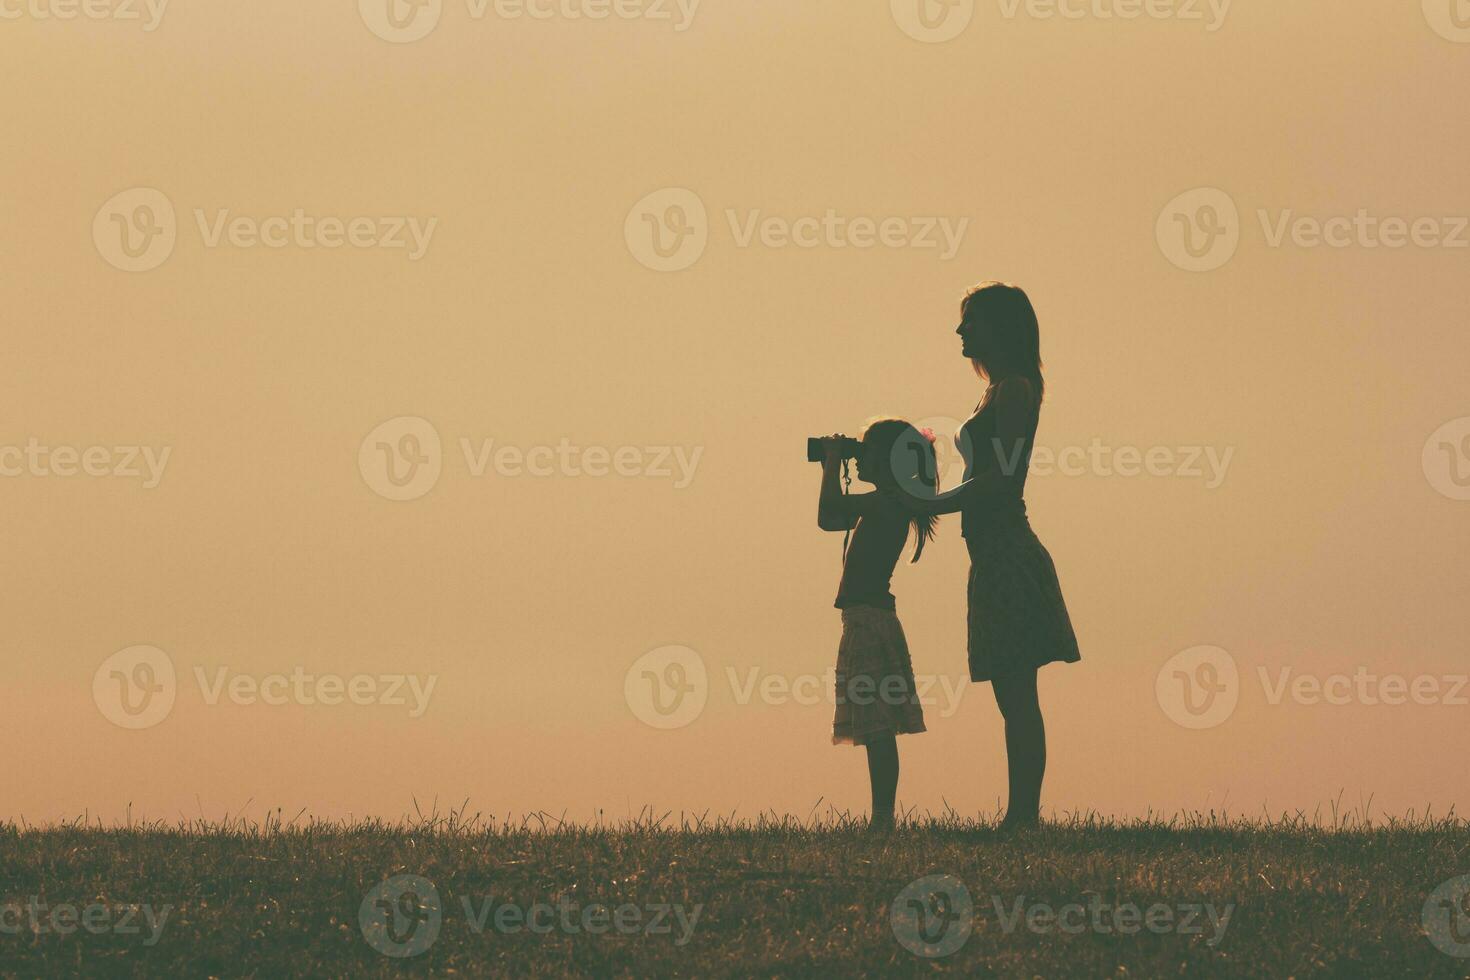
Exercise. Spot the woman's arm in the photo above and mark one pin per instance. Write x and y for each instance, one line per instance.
(1015, 407)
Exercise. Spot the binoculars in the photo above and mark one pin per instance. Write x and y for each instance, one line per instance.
(815, 453)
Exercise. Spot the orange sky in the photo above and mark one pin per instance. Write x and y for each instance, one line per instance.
(344, 230)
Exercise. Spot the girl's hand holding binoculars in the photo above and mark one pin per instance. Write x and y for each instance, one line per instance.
(832, 449)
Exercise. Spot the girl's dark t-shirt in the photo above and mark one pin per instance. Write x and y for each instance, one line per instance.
(877, 541)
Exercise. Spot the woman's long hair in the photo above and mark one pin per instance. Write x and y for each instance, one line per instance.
(1010, 336)
(907, 463)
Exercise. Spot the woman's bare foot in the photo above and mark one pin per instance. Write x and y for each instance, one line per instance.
(880, 823)
(1023, 820)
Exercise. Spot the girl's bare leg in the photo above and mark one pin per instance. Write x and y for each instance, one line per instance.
(883, 774)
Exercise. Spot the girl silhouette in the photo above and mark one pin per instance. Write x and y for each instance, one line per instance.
(1018, 620)
(875, 691)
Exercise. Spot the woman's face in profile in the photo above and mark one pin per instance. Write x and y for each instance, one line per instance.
(971, 336)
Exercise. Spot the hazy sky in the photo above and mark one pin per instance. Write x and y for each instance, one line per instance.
(618, 269)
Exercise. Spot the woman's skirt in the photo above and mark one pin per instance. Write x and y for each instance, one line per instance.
(1018, 619)
(875, 693)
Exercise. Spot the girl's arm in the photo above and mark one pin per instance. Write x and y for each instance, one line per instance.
(832, 515)
(838, 511)
(1015, 407)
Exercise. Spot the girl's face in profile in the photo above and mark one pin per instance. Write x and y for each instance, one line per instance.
(868, 464)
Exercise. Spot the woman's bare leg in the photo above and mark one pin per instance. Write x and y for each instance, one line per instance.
(1025, 745)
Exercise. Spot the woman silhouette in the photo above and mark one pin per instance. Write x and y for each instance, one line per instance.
(1018, 620)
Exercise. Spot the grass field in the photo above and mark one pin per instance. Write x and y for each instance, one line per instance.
(1204, 895)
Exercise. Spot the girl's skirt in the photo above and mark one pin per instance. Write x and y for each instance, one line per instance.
(876, 696)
